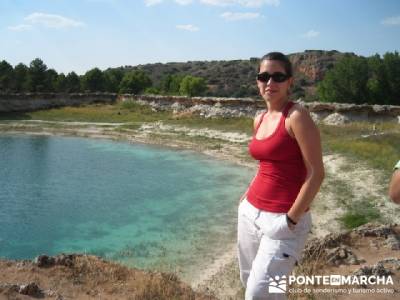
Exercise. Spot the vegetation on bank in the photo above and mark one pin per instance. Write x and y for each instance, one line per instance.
(376, 144)
(357, 79)
(38, 78)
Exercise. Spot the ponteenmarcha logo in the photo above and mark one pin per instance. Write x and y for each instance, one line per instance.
(277, 285)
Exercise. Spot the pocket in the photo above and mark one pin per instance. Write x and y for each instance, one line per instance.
(275, 226)
(304, 224)
(281, 264)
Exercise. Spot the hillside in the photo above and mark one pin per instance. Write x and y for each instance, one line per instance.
(236, 78)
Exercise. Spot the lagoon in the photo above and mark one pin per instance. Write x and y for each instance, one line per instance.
(144, 206)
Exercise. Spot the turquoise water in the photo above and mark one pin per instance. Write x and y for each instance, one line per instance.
(144, 206)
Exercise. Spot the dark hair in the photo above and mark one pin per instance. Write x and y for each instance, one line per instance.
(282, 58)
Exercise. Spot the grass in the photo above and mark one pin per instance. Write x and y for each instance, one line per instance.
(118, 113)
(360, 213)
(379, 151)
(130, 112)
(239, 124)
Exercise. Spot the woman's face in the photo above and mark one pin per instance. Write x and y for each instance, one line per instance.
(272, 90)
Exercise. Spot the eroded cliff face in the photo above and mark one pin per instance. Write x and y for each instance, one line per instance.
(313, 64)
(328, 113)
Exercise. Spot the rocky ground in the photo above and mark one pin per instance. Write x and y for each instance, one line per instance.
(370, 249)
(86, 277)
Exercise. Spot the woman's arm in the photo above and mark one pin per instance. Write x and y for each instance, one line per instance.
(307, 135)
(394, 187)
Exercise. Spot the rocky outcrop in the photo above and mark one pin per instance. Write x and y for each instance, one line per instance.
(328, 113)
(336, 249)
(313, 64)
(37, 101)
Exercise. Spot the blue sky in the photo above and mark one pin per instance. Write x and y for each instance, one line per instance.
(77, 35)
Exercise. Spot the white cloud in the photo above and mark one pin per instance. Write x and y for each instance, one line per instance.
(152, 2)
(184, 2)
(392, 21)
(258, 3)
(52, 21)
(188, 27)
(310, 34)
(230, 16)
(247, 3)
(21, 27)
(218, 2)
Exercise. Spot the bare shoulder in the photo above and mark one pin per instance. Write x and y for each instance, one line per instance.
(298, 113)
(297, 109)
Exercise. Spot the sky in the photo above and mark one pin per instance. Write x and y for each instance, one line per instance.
(78, 35)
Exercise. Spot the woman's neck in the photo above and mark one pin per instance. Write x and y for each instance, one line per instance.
(277, 106)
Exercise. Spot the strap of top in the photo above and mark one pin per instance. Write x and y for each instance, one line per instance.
(287, 108)
(284, 116)
(260, 121)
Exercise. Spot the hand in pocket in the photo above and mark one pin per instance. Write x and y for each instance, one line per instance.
(275, 227)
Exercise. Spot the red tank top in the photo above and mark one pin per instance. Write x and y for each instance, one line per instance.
(281, 171)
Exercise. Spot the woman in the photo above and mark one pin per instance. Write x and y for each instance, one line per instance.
(394, 185)
(274, 218)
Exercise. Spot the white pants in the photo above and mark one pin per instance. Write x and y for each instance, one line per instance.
(267, 248)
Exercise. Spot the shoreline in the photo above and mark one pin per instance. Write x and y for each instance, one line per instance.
(96, 131)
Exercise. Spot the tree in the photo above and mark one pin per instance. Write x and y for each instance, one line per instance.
(20, 78)
(192, 86)
(51, 81)
(73, 83)
(61, 83)
(93, 81)
(171, 84)
(134, 82)
(358, 80)
(6, 76)
(377, 85)
(391, 62)
(113, 79)
(36, 76)
(346, 82)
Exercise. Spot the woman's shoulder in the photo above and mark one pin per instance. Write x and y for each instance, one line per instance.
(299, 115)
(298, 111)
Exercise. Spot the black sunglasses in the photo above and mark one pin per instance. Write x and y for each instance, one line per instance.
(277, 77)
